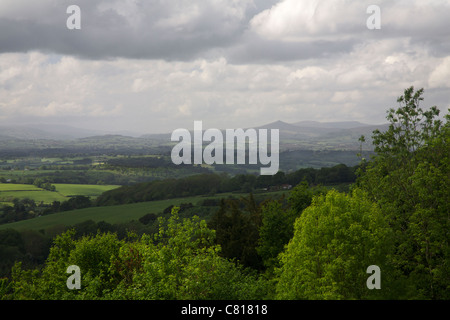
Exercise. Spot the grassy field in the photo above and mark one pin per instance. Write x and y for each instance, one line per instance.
(110, 214)
(82, 189)
(36, 195)
(10, 191)
(17, 187)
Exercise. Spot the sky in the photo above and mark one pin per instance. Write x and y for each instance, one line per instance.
(151, 66)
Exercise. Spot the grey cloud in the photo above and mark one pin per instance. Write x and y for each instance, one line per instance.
(167, 30)
(110, 33)
(186, 30)
(256, 50)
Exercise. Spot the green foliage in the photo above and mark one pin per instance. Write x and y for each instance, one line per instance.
(301, 196)
(184, 264)
(161, 189)
(11, 249)
(334, 242)
(278, 219)
(409, 178)
(29, 247)
(211, 184)
(180, 262)
(237, 224)
(275, 232)
(410, 127)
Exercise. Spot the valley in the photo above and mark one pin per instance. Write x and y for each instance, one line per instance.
(50, 171)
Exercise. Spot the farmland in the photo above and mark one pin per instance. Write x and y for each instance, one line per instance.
(63, 192)
(24, 203)
(69, 190)
(115, 214)
(110, 214)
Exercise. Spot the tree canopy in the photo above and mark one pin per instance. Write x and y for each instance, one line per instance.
(335, 240)
(409, 177)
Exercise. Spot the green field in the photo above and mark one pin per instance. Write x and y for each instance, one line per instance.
(82, 189)
(17, 187)
(10, 191)
(111, 214)
(36, 195)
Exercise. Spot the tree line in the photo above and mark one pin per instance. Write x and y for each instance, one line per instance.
(23, 209)
(212, 183)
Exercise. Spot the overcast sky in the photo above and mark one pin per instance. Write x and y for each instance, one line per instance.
(152, 66)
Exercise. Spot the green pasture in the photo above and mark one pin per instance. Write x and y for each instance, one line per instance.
(17, 187)
(10, 191)
(82, 189)
(113, 214)
(38, 196)
(110, 214)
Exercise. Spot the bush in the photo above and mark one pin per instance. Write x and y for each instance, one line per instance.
(181, 262)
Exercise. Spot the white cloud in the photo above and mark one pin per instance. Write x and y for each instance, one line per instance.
(338, 20)
(440, 76)
(155, 95)
(311, 77)
(140, 85)
(301, 20)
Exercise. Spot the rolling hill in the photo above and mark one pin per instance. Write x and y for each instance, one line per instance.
(303, 135)
(323, 135)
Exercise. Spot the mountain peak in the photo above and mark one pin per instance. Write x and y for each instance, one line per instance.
(281, 125)
(331, 125)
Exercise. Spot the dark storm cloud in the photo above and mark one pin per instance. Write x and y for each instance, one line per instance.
(242, 31)
(168, 30)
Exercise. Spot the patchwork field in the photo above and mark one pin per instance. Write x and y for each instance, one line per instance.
(9, 187)
(11, 191)
(114, 214)
(110, 214)
(89, 190)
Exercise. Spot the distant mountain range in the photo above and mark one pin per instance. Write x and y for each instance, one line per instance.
(324, 135)
(298, 135)
(337, 125)
(52, 132)
(313, 128)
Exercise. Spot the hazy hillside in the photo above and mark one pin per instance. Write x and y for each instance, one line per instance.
(323, 135)
(338, 125)
(304, 135)
(53, 132)
(45, 132)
